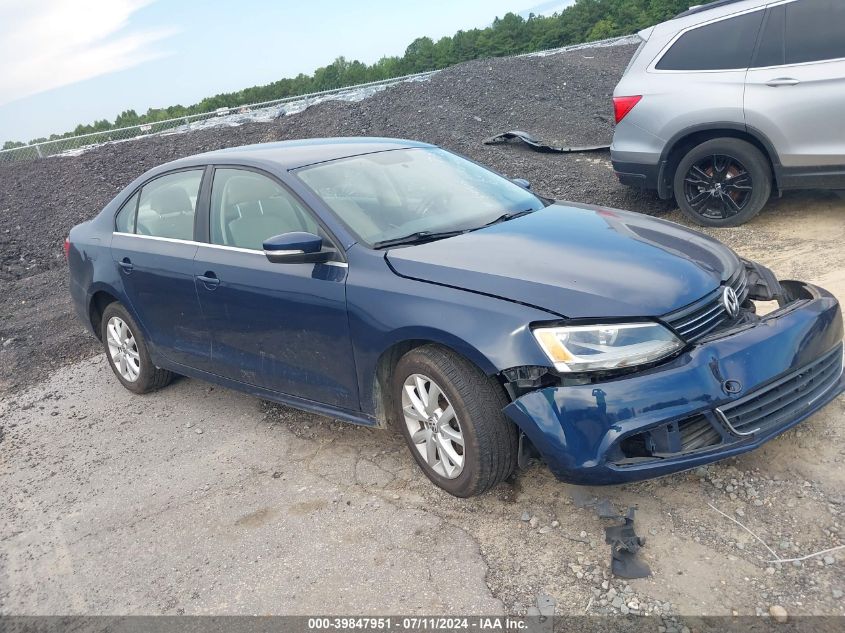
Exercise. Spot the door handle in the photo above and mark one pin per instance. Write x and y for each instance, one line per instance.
(209, 280)
(782, 81)
(126, 265)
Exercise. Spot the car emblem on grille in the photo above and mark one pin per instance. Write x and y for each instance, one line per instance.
(731, 301)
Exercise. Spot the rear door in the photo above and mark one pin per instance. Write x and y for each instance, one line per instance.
(795, 92)
(153, 248)
(698, 79)
(279, 326)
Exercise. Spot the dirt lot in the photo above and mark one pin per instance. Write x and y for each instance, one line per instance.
(201, 500)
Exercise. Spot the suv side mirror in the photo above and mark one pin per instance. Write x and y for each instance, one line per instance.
(522, 183)
(296, 248)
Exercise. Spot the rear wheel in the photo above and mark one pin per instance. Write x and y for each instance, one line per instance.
(451, 416)
(127, 352)
(722, 182)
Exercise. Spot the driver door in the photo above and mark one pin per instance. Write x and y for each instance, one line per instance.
(278, 326)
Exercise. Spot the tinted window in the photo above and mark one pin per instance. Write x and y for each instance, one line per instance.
(125, 220)
(770, 51)
(247, 208)
(815, 30)
(722, 45)
(168, 204)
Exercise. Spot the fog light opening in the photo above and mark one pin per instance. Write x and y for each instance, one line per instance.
(669, 440)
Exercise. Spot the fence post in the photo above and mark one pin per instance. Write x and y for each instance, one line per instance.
(38, 150)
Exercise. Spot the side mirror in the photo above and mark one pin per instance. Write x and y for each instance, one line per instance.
(296, 248)
(522, 183)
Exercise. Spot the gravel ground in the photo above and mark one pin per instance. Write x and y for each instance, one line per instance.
(205, 521)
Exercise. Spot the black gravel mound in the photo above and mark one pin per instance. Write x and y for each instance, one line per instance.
(562, 99)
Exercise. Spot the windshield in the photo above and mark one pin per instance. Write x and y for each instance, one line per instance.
(389, 195)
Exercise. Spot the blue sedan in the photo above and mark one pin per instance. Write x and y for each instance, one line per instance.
(388, 282)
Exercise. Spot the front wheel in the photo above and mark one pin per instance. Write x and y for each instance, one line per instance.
(127, 352)
(722, 182)
(451, 416)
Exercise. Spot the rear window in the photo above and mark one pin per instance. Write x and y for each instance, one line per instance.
(125, 220)
(723, 45)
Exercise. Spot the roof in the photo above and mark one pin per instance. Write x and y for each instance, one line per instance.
(293, 154)
(710, 6)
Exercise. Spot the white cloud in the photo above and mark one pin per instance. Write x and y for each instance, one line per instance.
(45, 44)
(547, 8)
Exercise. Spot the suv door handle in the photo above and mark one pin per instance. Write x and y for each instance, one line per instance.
(126, 265)
(209, 280)
(782, 81)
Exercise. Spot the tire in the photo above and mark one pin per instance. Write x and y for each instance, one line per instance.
(722, 182)
(489, 450)
(140, 374)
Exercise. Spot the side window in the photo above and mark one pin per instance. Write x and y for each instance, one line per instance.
(723, 45)
(770, 51)
(247, 208)
(815, 30)
(125, 220)
(168, 204)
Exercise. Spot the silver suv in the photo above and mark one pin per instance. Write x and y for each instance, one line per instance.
(731, 100)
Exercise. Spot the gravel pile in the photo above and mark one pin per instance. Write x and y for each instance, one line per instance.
(563, 99)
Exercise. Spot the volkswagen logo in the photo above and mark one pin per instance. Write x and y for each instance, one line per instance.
(731, 301)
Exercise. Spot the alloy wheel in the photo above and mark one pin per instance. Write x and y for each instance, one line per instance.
(123, 349)
(718, 187)
(433, 425)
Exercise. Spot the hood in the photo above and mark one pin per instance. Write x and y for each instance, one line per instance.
(577, 261)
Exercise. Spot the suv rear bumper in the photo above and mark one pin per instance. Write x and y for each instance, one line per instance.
(685, 413)
(642, 176)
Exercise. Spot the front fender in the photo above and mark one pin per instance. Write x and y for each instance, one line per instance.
(386, 310)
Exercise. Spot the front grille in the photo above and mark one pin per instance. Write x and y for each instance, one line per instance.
(784, 399)
(707, 314)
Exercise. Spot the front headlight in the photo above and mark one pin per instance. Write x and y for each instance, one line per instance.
(593, 347)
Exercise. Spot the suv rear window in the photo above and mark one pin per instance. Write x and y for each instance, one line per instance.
(722, 45)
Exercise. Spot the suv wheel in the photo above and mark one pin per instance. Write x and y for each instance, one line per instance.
(722, 182)
(127, 352)
(451, 416)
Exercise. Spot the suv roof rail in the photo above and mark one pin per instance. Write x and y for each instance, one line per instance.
(706, 7)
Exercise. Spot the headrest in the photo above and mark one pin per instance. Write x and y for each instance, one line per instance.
(171, 199)
(241, 189)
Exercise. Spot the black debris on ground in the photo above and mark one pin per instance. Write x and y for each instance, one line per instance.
(563, 99)
(624, 545)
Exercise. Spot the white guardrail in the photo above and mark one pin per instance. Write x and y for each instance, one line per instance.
(264, 111)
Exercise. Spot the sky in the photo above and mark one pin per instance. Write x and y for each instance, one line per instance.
(75, 61)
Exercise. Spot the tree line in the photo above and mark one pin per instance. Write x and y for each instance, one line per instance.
(584, 21)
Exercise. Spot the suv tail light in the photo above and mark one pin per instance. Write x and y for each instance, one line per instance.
(67, 247)
(622, 105)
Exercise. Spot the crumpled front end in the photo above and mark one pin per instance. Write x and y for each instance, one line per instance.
(730, 391)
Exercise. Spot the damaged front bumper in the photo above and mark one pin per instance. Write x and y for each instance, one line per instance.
(727, 394)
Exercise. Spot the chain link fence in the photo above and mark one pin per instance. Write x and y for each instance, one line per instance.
(253, 113)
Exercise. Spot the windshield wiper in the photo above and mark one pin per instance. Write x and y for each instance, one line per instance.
(418, 238)
(510, 215)
(429, 236)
